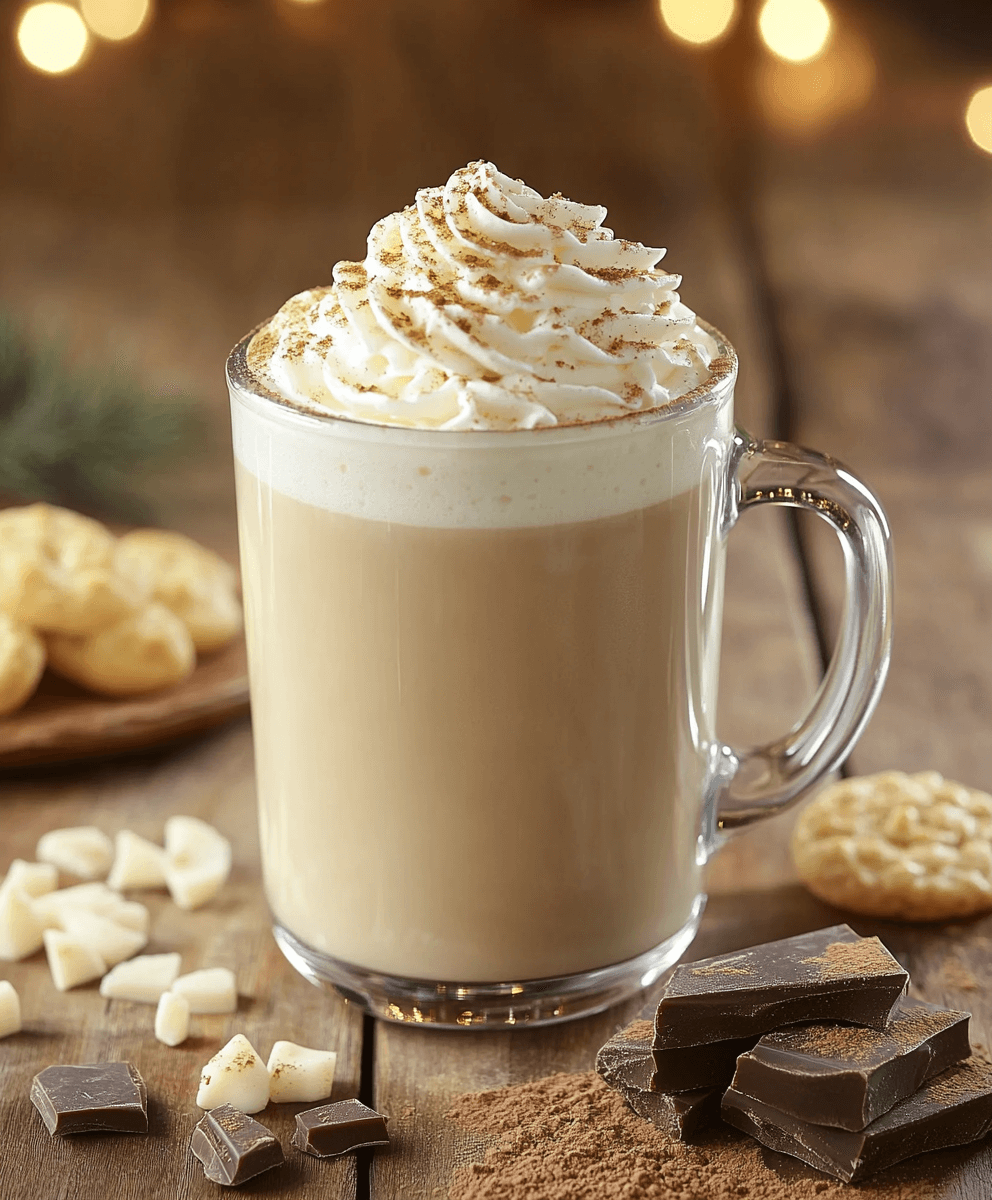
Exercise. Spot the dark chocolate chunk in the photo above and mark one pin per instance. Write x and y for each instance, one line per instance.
(625, 1063)
(234, 1147)
(92, 1098)
(339, 1128)
(710, 1065)
(951, 1109)
(831, 974)
(848, 1076)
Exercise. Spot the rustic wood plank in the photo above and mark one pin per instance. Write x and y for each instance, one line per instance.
(213, 779)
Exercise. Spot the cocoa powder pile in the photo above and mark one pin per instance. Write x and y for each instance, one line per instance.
(570, 1137)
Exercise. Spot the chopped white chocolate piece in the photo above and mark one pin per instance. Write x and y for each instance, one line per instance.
(298, 1073)
(143, 979)
(172, 1019)
(35, 878)
(212, 990)
(20, 926)
(236, 1076)
(10, 1010)
(138, 863)
(71, 961)
(84, 851)
(114, 943)
(93, 897)
(197, 861)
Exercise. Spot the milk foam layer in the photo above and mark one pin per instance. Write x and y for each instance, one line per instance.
(483, 480)
(486, 306)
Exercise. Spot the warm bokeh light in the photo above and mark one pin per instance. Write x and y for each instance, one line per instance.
(115, 19)
(796, 30)
(801, 100)
(52, 37)
(698, 21)
(978, 118)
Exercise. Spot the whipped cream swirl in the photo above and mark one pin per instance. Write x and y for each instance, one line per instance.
(486, 306)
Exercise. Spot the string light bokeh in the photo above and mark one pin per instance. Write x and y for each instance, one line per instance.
(978, 118)
(52, 37)
(699, 22)
(115, 20)
(796, 30)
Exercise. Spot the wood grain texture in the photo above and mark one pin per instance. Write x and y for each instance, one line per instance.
(64, 722)
(212, 780)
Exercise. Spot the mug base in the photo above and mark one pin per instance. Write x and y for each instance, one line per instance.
(528, 1002)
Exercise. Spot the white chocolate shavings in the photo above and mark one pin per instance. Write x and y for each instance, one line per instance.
(211, 990)
(236, 1076)
(84, 851)
(297, 1073)
(35, 878)
(71, 961)
(114, 943)
(10, 1009)
(143, 979)
(197, 861)
(172, 1019)
(20, 927)
(138, 863)
(908, 847)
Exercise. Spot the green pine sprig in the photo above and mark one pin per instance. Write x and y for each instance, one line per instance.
(83, 437)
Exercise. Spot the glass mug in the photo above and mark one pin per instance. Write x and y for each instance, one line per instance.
(483, 681)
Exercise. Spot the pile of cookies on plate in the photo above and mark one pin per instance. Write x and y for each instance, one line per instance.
(116, 615)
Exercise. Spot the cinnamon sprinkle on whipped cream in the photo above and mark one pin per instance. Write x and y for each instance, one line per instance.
(484, 305)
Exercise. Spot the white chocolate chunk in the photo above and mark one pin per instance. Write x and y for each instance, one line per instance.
(20, 926)
(70, 961)
(197, 861)
(84, 851)
(138, 863)
(172, 1019)
(10, 1009)
(35, 878)
(143, 979)
(93, 897)
(114, 943)
(212, 990)
(298, 1073)
(236, 1076)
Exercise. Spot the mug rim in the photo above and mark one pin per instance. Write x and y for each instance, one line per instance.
(246, 386)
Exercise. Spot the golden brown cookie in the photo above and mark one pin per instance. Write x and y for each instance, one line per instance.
(196, 584)
(906, 847)
(146, 651)
(22, 661)
(56, 571)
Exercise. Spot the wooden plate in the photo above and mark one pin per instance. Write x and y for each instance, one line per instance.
(62, 721)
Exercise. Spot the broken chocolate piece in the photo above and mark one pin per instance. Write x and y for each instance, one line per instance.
(709, 1065)
(848, 1076)
(234, 1147)
(97, 1098)
(339, 1128)
(831, 974)
(625, 1063)
(951, 1109)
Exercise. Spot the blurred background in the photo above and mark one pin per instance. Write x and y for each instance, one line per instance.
(820, 170)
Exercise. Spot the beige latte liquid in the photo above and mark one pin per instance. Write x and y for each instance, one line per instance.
(481, 751)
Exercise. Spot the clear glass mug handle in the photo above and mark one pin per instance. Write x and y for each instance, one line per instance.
(761, 782)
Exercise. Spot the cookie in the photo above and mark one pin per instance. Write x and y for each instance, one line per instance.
(196, 584)
(149, 650)
(22, 661)
(904, 847)
(57, 573)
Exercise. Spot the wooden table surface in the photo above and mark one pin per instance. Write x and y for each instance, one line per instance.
(170, 194)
